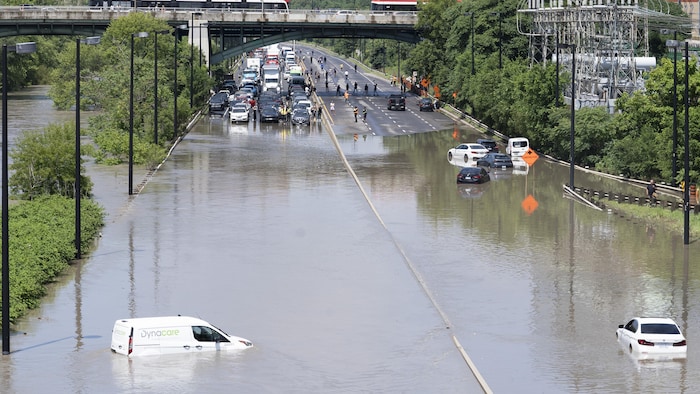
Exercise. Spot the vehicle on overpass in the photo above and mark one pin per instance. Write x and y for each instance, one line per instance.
(394, 5)
(270, 5)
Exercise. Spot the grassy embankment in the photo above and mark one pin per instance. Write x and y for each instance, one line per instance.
(671, 220)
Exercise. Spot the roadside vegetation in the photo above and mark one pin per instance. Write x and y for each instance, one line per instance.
(671, 220)
(42, 182)
(519, 99)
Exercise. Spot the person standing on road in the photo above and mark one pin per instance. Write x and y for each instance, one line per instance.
(375, 88)
(332, 107)
(337, 90)
(366, 90)
(354, 87)
(364, 114)
(347, 96)
(355, 111)
(651, 192)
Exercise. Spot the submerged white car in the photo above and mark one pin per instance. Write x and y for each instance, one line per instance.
(467, 151)
(652, 335)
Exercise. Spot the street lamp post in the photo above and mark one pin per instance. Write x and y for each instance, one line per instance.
(674, 151)
(500, 40)
(686, 173)
(131, 111)
(175, 64)
(155, 83)
(78, 192)
(573, 109)
(192, 58)
(21, 48)
(471, 15)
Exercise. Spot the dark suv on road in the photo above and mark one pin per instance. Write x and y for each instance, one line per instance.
(488, 144)
(396, 102)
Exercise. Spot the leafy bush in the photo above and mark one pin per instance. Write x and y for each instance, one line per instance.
(42, 245)
(43, 162)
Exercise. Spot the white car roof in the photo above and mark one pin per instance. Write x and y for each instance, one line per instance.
(654, 320)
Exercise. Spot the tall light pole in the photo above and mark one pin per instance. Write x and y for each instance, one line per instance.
(398, 72)
(175, 64)
(155, 83)
(131, 111)
(78, 192)
(500, 40)
(192, 58)
(686, 176)
(471, 15)
(674, 151)
(573, 109)
(21, 48)
(556, 83)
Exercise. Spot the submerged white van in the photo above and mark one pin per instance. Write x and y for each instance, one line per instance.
(171, 334)
(517, 146)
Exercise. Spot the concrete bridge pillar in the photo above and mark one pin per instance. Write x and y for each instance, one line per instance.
(199, 37)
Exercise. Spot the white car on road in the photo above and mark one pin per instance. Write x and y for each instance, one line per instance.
(467, 151)
(239, 113)
(652, 335)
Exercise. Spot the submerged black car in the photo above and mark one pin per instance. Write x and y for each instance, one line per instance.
(488, 144)
(495, 160)
(473, 175)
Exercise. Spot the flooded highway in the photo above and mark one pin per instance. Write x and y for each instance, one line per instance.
(263, 232)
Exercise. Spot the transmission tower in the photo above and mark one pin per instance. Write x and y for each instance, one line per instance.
(608, 38)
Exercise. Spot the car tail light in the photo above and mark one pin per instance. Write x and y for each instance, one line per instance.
(644, 342)
(681, 343)
(131, 345)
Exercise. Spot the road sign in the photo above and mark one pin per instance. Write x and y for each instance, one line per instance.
(529, 204)
(530, 157)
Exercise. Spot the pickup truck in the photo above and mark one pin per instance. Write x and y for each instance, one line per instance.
(396, 102)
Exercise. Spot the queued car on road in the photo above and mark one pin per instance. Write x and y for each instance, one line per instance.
(269, 114)
(301, 116)
(219, 102)
(239, 113)
(425, 104)
(396, 102)
(652, 335)
(495, 160)
(473, 175)
(467, 151)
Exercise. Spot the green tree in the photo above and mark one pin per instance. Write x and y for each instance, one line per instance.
(43, 162)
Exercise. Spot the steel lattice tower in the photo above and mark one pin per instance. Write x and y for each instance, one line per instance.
(609, 38)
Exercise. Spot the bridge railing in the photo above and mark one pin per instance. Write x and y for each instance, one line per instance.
(31, 12)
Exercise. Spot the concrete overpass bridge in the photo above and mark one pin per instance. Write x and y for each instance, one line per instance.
(234, 32)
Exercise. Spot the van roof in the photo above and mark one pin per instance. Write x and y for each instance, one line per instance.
(141, 322)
